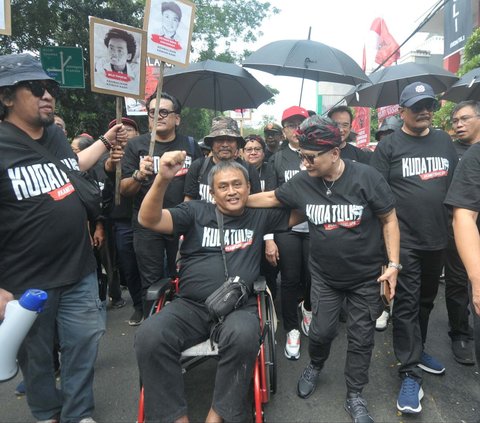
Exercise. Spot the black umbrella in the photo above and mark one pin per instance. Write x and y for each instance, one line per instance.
(388, 83)
(466, 88)
(306, 59)
(215, 85)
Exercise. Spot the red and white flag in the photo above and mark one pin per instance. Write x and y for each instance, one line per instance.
(386, 45)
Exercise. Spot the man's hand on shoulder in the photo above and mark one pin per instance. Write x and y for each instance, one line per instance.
(5, 297)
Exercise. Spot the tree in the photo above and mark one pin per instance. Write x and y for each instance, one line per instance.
(38, 23)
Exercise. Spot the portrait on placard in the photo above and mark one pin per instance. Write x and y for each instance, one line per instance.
(169, 25)
(117, 58)
(5, 19)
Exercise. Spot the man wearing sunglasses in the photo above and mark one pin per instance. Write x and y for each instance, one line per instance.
(418, 163)
(349, 206)
(138, 172)
(466, 124)
(45, 244)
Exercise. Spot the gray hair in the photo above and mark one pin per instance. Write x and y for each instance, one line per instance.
(467, 103)
(226, 165)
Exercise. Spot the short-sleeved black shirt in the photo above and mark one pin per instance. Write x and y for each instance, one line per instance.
(464, 191)
(137, 148)
(355, 154)
(201, 265)
(345, 233)
(419, 171)
(196, 185)
(44, 241)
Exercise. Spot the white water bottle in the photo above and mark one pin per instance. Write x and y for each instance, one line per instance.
(19, 318)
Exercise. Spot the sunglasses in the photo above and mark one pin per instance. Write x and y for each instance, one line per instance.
(38, 88)
(310, 158)
(429, 105)
(163, 113)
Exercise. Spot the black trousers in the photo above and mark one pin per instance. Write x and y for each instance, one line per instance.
(364, 306)
(417, 288)
(294, 271)
(151, 249)
(456, 294)
(180, 325)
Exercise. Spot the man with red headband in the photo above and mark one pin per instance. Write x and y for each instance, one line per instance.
(349, 206)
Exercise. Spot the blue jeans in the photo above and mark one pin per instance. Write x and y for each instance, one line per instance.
(79, 315)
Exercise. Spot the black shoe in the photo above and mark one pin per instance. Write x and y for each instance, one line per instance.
(308, 381)
(137, 318)
(463, 352)
(118, 303)
(356, 406)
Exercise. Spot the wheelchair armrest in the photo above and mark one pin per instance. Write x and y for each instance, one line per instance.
(260, 285)
(156, 290)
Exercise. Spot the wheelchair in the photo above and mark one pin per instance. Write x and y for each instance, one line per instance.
(264, 381)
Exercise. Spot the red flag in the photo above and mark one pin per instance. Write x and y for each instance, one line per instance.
(386, 44)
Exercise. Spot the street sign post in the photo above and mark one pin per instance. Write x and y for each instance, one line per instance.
(64, 64)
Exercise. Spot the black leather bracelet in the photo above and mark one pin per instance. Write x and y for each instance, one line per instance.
(106, 143)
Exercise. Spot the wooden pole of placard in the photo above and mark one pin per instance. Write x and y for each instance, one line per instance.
(157, 106)
(118, 165)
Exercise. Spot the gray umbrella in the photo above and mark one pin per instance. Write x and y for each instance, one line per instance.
(306, 59)
(388, 83)
(215, 85)
(466, 88)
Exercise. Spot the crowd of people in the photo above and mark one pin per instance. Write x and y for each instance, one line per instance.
(301, 205)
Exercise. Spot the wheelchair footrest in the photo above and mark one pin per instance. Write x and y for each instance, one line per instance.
(156, 290)
(204, 348)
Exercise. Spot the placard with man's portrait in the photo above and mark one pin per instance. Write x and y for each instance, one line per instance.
(117, 58)
(5, 18)
(169, 25)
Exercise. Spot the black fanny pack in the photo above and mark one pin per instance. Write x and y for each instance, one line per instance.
(232, 294)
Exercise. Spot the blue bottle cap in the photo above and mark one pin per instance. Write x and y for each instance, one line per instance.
(33, 299)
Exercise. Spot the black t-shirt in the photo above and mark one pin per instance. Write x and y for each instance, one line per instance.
(419, 171)
(263, 174)
(284, 164)
(460, 148)
(137, 148)
(196, 184)
(201, 265)
(355, 154)
(464, 191)
(44, 241)
(345, 233)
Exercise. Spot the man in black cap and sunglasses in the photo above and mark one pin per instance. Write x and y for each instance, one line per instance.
(45, 244)
(418, 163)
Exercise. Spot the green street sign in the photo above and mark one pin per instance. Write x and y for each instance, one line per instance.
(65, 65)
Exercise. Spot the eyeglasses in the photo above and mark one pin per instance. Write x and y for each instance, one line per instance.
(463, 119)
(292, 125)
(310, 158)
(38, 88)
(250, 150)
(429, 105)
(163, 113)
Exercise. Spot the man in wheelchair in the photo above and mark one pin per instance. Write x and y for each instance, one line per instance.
(185, 321)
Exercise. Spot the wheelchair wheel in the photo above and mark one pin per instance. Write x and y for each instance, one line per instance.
(269, 345)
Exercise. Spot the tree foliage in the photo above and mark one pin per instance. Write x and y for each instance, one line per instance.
(39, 23)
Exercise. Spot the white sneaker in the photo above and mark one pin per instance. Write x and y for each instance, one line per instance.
(382, 322)
(87, 420)
(306, 319)
(292, 346)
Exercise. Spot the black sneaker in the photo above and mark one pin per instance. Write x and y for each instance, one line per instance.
(356, 406)
(137, 318)
(118, 303)
(308, 381)
(463, 352)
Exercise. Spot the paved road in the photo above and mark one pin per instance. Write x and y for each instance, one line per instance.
(454, 397)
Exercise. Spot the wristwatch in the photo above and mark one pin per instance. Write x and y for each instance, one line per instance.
(398, 266)
(136, 176)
